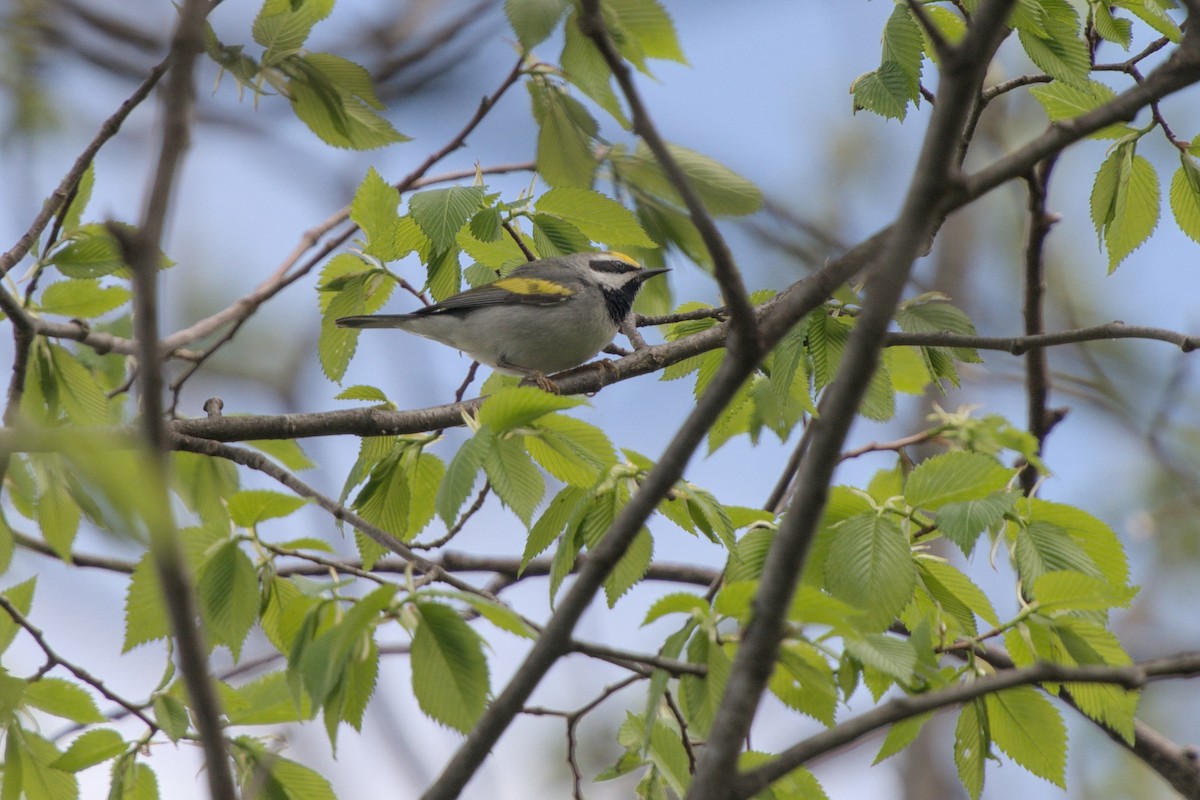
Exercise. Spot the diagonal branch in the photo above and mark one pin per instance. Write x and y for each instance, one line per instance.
(744, 333)
(1134, 676)
(932, 184)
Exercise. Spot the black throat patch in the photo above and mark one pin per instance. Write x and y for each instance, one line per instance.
(619, 301)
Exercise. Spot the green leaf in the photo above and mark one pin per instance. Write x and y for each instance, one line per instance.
(90, 252)
(570, 449)
(21, 597)
(1153, 13)
(564, 150)
(84, 299)
(883, 91)
(501, 616)
(289, 780)
(677, 603)
(890, 655)
(329, 659)
(449, 671)
(585, 67)
(1030, 730)
(374, 210)
(900, 735)
(1065, 101)
(803, 680)
(63, 699)
(171, 715)
(1094, 537)
(646, 23)
(1058, 49)
(904, 46)
(1045, 547)
(971, 748)
(90, 748)
(28, 759)
(78, 202)
(58, 517)
(283, 27)
(1074, 591)
(1185, 196)
(518, 406)
(461, 474)
(1125, 202)
(145, 612)
(954, 478)
(227, 588)
(702, 695)
(962, 522)
(515, 479)
(949, 585)
(561, 511)
(335, 99)
(601, 218)
(869, 566)
(441, 213)
(724, 192)
(266, 700)
(631, 568)
(533, 20)
(249, 507)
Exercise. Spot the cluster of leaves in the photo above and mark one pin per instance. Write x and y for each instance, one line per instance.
(1125, 199)
(332, 95)
(875, 608)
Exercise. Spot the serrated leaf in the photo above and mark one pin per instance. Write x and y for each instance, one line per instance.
(449, 671)
(954, 478)
(28, 758)
(21, 598)
(295, 781)
(266, 700)
(971, 748)
(533, 20)
(374, 210)
(962, 522)
(1073, 591)
(803, 680)
(513, 476)
(586, 68)
(1185, 196)
(1099, 541)
(883, 91)
(601, 218)
(1058, 49)
(335, 99)
(145, 612)
(90, 748)
(558, 514)
(869, 566)
(724, 192)
(228, 592)
(1153, 13)
(249, 507)
(287, 452)
(702, 695)
(646, 23)
(84, 299)
(631, 568)
(63, 698)
(171, 715)
(564, 145)
(441, 213)
(518, 406)
(461, 474)
(894, 657)
(946, 582)
(570, 449)
(1043, 547)
(1030, 730)
(676, 603)
(1065, 101)
(1125, 203)
(900, 735)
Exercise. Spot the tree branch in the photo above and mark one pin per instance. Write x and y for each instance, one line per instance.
(1135, 676)
(744, 341)
(141, 252)
(924, 207)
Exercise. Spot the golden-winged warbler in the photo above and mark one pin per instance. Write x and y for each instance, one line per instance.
(544, 317)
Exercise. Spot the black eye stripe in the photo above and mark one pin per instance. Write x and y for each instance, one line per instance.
(614, 266)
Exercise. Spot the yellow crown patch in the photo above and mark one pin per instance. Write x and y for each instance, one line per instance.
(528, 286)
(633, 262)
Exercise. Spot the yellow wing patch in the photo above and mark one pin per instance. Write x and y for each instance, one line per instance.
(531, 286)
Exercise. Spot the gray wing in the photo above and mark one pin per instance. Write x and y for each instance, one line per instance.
(526, 285)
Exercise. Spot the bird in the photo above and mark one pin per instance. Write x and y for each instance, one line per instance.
(544, 317)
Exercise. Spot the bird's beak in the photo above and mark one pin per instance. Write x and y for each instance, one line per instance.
(647, 274)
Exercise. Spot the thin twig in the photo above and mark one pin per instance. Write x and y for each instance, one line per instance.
(53, 659)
